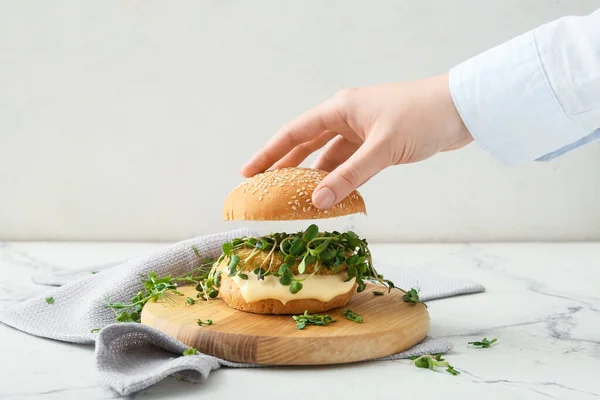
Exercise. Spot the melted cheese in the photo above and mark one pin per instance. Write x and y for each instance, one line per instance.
(318, 287)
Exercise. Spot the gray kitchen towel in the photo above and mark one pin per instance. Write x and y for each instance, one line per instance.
(79, 308)
(131, 357)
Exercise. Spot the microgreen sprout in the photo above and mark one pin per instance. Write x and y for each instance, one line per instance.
(207, 322)
(430, 362)
(450, 369)
(351, 315)
(190, 301)
(307, 319)
(484, 343)
(190, 351)
(412, 296)
(50, 300)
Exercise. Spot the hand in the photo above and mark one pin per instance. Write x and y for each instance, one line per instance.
(366, 130)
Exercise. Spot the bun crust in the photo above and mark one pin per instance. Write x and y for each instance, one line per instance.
(284, 194)
(231, 294)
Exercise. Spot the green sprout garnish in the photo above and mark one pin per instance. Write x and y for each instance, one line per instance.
(156, 289)
(351, 315)
(207, 322)
(306, 319)
(50, 300)
(190, 351)
(484, 343)
(190, 301)
(377, 293)
(430, 362)
(412, 296)
(306, 252)
(451, 370)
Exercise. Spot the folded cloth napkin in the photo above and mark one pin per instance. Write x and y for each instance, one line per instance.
(131, 357)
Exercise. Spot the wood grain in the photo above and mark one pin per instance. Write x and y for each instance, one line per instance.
(390, 326)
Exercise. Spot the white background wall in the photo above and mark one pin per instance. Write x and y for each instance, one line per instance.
(128, 120)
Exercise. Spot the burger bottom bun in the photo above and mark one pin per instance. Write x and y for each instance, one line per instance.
(231, 294)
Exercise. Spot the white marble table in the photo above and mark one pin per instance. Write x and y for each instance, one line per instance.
(542, 303)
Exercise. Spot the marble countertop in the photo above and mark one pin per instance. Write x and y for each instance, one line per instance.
(542, 303)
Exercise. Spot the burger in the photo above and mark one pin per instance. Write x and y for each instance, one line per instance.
(289, 273)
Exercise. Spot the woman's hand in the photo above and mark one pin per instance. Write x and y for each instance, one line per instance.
(364, 131)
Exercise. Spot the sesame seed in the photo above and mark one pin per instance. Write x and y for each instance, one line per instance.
(325, 211)
(297, 190)
(294, 208)
(308, 209)
(266, 191)
(293, 197)
(308, 200)
(289, 202)
(304, 209)
(259, 198)
(303, 188)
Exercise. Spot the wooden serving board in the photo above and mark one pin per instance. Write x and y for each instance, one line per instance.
(390, 326)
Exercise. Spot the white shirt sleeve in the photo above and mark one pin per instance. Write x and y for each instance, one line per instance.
(536, 96)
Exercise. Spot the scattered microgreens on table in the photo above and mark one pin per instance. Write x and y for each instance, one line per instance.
(430, 362)
(484, 343)
(307, 319)
(190, 351)
(50, 300)
(351, 315)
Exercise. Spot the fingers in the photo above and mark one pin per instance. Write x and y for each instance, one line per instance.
(302, 151)
(366, 162)
(304, 128)
(336, 152)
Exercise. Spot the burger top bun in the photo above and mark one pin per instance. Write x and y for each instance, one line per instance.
(284, 194)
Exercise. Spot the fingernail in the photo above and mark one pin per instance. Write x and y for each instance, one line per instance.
(323, 198)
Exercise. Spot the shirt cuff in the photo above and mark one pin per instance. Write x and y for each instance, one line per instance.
(507, 104)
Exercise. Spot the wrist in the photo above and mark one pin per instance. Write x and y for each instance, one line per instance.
(457, 133)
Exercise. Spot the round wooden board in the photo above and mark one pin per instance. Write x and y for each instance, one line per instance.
(390, 326)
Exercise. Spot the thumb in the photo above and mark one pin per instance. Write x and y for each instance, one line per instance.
(360, 167)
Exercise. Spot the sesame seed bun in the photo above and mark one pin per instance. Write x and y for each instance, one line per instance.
(285, 194)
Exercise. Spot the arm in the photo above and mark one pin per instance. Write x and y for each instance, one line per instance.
(531, 98)
(536, 96)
